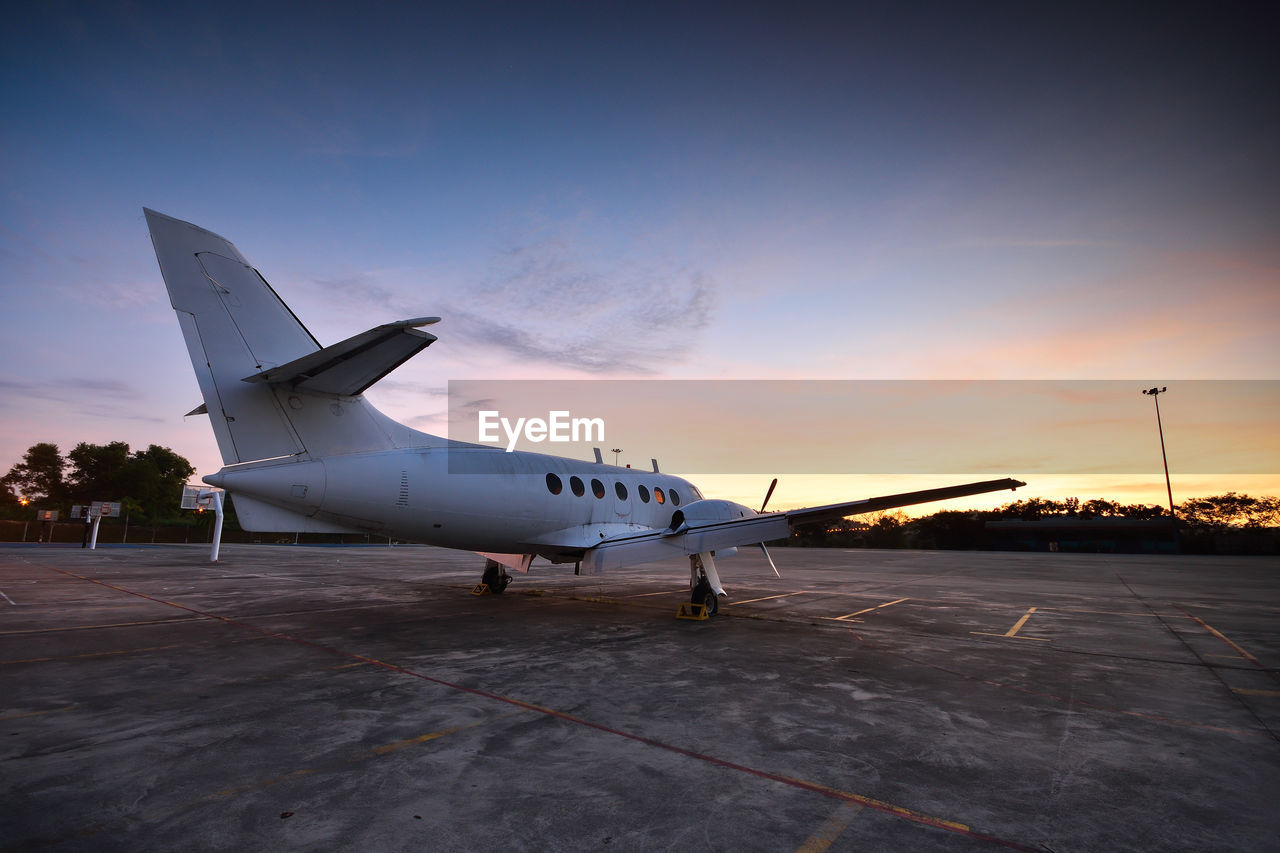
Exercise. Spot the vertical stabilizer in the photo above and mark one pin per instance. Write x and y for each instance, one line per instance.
(234, 325)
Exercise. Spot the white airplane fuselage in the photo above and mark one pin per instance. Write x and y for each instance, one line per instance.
(468, 497)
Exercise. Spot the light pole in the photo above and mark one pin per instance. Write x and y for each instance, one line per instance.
(615, 451)
(1154, 394)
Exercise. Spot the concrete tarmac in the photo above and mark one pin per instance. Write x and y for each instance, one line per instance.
(343, 698)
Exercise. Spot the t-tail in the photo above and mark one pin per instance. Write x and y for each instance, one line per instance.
(270, 390)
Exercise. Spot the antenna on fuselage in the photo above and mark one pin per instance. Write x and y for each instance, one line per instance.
(655, 466)
(599, 458)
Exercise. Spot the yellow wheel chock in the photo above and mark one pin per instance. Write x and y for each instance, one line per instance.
(482, 589)
(688, 610)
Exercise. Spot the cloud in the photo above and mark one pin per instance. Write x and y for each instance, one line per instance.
(71, 389)
(97, 398)
(363, 289)
(549, 302)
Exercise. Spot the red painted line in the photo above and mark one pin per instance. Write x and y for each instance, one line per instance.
(887, 808)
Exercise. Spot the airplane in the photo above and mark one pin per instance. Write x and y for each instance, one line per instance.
(304, 451)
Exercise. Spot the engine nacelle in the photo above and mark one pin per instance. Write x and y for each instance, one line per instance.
(709, 510)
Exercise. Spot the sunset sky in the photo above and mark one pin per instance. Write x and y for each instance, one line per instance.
(797, 191)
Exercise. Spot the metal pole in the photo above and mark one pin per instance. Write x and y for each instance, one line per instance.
(217, 527)
(93, 539)
(1155, 393)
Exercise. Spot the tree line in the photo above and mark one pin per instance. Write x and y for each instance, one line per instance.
(967, 529)
(147, 482)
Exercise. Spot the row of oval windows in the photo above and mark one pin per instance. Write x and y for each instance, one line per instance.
(555, 485)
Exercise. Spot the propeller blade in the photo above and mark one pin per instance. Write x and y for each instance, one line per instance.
(765, 551)
(768, 495)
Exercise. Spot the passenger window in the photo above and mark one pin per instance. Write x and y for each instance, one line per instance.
(620, 490)
(658, 496)
(554, 485)
(675, 497)
(597, 488)
(575, 483)
(644, 493)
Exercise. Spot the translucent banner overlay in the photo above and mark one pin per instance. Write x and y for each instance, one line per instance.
(771, 427)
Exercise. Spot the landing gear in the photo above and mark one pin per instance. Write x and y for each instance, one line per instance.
(495, 576)
(704, 582)
(703, 594)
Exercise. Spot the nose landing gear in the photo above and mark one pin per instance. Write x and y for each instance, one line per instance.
(704, 582)
(495, 576)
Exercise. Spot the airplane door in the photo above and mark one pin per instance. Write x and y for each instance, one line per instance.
(622, 501)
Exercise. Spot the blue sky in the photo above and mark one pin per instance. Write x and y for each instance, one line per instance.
(642, 190)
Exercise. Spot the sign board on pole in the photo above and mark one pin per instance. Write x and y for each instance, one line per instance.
(48, 515)
(197, 497)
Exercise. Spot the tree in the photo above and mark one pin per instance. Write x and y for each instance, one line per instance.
(150, 480)
(38, 476)
(99, 472)
(157, 477)
(1220, 512)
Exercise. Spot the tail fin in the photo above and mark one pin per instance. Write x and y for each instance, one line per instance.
(237, 330)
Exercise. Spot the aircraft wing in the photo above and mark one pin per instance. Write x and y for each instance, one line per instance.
(711, 534)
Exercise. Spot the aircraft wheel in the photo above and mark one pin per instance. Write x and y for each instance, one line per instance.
(704, 595)
(496, 577)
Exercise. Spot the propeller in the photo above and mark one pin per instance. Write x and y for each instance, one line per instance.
(769, 493)
(765, 503)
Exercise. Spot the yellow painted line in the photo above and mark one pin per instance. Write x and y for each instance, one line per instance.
(869, 609)
(1013, 632)
(348, 665)
(826, 835)
(768, 597)
(662, 592)
(36, 713)
(1244, 691)
(414, 741)
(1224, 638)
(94, 654)
(881, 805)
(1017, 626)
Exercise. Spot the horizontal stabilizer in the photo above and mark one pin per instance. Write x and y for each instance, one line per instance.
(349, 367)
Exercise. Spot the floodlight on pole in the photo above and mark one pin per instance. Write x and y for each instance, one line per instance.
(615, 451)
(1154, 394)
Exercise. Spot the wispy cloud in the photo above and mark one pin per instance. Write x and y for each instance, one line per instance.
(364, 289)
(70, 389)
(549, 302)
(97, 398)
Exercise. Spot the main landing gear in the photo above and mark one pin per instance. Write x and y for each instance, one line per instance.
(495, 576)
(704, 582)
